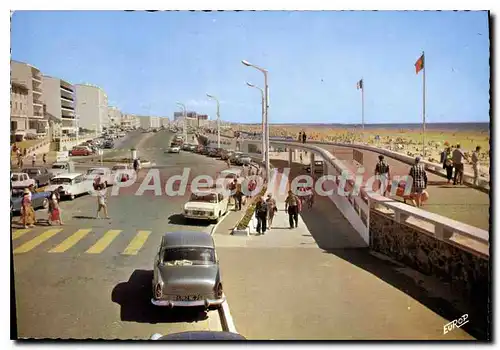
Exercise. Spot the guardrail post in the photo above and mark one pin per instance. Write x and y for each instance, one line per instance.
(312, 164)
(290, 157)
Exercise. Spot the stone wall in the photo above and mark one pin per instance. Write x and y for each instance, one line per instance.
(467, 273)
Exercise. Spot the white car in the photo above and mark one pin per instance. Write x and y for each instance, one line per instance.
(73, 184)
(124, 170)
(244, 159)
(174, 149)
(229, 175)
(21, 180)
(107, 177)
(206, 205)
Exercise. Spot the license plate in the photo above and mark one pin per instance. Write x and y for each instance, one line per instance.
(196, 212)
(187, 297)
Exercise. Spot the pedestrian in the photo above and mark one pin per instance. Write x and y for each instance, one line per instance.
(272, 209)
(300, 136)
(261, 213)
(27, 213)
(383, 171)
(292, 208)
(33, 159)
(228, 162)
(238, 197)
(54, 208)
(25, 151)
(447, 161)
(475, 165)
(101, 201)
(21, 161)
(44, 158)
(457, 158)
(252, 185)
(311, 198)
(300, 155)
(136, 165)
(304, 137)
(419, 176)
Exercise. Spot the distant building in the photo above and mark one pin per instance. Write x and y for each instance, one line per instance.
(91, 107)
(165, 122)
(26, 100)
(59, 99)
(147, 122)
(115, 116)
(129, 121)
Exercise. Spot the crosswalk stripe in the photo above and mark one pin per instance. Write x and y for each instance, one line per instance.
(104, 242)
(18, 233)
(137, 243)
(35, 242)
(70, 241)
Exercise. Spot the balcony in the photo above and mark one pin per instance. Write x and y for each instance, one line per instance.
(66, 98)
(67, 114)
(37, 78)
(37, 91)
(67, 108)
(67, 89)
(37, 103)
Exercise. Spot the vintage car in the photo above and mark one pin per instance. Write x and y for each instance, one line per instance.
(243, 159)
(122, 172)
(73, 184)
(208, 204)
(226, 154)
(38, 200)
(40, 174)
(229, 175)
(21, 180)
(105, 176)
(186, 272)
(318, 167)
(173, 149)
(234, 157)
(80, 151)
(59, 168)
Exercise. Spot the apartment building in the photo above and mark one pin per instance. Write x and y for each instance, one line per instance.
(27, 113)
(165, 122)
(147, 122)
(91, 107)
(115, 116)
(59, 100)
(129, 121)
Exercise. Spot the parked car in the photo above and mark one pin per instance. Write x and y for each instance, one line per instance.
(318, 167)
(73, 184)
(226, 154)
(38, 200)
(105, 175)
(59, 168)
(229, 175)
(173, 149)
(108, 144)
(243, 159)
(206, 205)
(123, 171)
(213, 152)
(186, 272)
(234, 157)
(80, 151)
(21, 180)
(40, 174)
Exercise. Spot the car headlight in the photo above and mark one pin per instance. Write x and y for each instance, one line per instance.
(210, 213)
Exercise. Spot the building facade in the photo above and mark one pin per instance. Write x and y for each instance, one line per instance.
(115, 116)
(92, 107)
(129, 121)
(59, 100)
(147, 122)
(26, 100)
(165, 122)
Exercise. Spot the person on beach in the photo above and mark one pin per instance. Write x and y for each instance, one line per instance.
(419, 176)
(457, 157)
(475, 165)
(292, 208)
(261, 212)
(272, 209)
(382, 170)
(446, 159)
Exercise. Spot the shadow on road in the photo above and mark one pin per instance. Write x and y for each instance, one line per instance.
(134, 298)
(179, 219)
(83, 217)
(427, 290)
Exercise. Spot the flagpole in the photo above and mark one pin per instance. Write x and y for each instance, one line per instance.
(423, 116)
(363, 108)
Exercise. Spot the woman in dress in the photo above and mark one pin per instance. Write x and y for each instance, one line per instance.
(27, 212)
(54, 208)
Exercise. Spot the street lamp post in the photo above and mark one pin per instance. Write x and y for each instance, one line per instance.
(266, 114)
(184, 131)
(263, 121)
(218, 118)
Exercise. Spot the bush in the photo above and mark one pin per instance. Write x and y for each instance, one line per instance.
(245, 220)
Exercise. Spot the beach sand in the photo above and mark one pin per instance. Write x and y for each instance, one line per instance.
(404, 141)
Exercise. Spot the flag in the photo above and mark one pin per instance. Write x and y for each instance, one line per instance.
(419, 65)
(360, 84)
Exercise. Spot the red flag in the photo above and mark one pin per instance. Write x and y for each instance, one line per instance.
(419, 65)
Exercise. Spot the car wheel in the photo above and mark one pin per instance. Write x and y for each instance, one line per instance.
(72, 196)
(45, 203)
(105, 184)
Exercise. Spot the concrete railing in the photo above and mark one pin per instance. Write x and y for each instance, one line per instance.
(357, 208)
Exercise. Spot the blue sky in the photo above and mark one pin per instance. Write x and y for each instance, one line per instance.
(147, 61)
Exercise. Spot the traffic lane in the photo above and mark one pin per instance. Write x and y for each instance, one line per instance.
(339, 298)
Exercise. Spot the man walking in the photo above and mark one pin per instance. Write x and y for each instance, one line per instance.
(419, 176)
(304, 137)
(272, 209)
(457, 158)
(44, 158)
(382, 170)
(475, 165)
(33, 159)
(261, 212)
(292, 208)
(300, 136)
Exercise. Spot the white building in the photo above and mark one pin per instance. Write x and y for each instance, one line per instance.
(147, 122)
(27, 114)
(115, 116)
(91, 107)
(165, 122)
(129, 121)
(59, 99)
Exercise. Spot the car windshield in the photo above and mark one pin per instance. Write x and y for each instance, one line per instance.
(31, 171)
(95, 172)
(15, 177)
(119, 167)
(60, 181)
(58, 166)
(209, 197)
(189, 256)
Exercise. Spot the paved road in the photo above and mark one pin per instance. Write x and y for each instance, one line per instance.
(304, 285)
(92, 278)
(460, 203)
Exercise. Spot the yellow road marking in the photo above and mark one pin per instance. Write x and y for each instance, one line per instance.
(18, 233)
(104, 242)
(137, 243)
(35, 242)
(70, 241)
